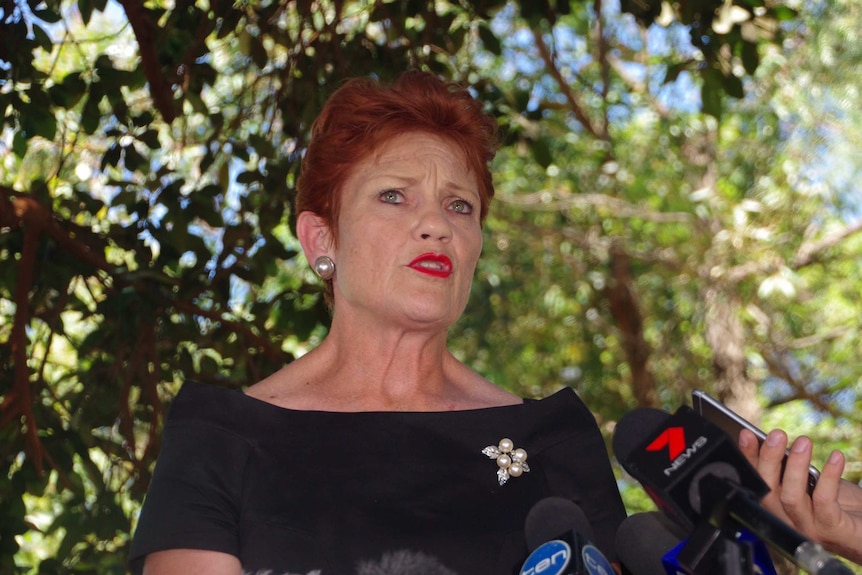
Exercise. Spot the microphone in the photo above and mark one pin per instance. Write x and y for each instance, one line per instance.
(401, 562)
(645, 542)
(649, 544)
(699, 478)
(558, 535)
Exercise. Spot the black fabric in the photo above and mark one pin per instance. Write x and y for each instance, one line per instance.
(307, 492)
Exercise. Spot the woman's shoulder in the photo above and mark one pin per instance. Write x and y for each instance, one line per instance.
(559, 417)
(216, 406)
(201, 400)
(563, 400)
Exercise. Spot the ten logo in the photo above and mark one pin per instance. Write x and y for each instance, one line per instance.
(550, 558)
(595, 562)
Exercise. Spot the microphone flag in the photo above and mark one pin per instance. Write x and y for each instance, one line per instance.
(675, 455)
(558, 533)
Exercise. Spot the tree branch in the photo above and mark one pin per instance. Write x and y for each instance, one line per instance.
(628, 319)
(19, 210)
(272, 352)
(602, 49)
(19, 401)
(556, 200)
(145, 34)
(565, 88)
(808, 251)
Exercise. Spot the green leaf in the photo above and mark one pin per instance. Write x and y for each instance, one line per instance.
(262, 146)
(674, 69)
(47, 16)
(711, 97)
(489, 40)
(133, 159)
(91, 116)
(40, 122)
(784, 13)
(19, 143)
(151, 139)
(85, 7)
(750, 57)
(541, 152)
(240, 151)
(143, 119)
(733, 86)
(248, 177)
(111, 157)
(257, 52)
(207, 161)
(68, 92)
(43, 40)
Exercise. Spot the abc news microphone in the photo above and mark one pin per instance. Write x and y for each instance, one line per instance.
(698, 477)
(558, 536)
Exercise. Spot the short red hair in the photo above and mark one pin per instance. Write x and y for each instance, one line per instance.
(364, 113)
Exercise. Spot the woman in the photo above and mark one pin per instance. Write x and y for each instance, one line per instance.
(378, 451)
(831, 515)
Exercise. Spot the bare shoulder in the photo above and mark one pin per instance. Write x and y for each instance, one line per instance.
(191, 562)
(498, 396)
(285, 387)
(480, 391)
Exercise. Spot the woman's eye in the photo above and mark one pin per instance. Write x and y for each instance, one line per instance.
(391, 196)
(462, 207)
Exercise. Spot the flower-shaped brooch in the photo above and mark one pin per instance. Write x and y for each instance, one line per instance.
(511, 462)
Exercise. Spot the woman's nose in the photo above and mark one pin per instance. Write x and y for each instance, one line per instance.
(433, 224)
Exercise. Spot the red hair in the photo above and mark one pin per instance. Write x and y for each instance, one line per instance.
(363, 114)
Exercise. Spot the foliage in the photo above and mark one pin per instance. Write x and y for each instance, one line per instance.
(646, 242)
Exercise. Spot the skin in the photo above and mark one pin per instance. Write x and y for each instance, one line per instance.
(832, 515)
(386, 348)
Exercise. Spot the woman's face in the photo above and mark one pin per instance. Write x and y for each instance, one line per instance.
(409, 234)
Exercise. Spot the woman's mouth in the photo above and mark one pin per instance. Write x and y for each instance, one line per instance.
(436, 265)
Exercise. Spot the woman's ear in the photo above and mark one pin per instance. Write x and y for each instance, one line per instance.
(314, 235)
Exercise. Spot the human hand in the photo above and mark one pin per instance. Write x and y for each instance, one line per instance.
(832, 515)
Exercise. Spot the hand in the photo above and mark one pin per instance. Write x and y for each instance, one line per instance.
(832, 515)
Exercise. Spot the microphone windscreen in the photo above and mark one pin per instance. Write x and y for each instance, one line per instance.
(553, 516)
(642, 541)
(633, 428)
(402, 562)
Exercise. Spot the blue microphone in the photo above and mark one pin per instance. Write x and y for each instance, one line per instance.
(558, 535)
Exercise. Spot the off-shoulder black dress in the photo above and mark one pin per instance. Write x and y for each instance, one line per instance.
(333, 493)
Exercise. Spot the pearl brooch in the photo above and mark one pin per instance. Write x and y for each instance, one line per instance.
(511, 462)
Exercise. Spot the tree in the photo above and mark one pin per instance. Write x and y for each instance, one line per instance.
(145, 205)
(681, 250)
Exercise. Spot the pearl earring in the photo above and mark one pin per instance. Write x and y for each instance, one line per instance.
(324, 267)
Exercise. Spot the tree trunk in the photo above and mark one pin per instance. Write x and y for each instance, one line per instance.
(726, 336)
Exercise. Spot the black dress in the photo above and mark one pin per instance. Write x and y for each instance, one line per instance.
(332, 493)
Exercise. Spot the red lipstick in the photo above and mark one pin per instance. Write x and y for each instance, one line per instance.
(436, 265)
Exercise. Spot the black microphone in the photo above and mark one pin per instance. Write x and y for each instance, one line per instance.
(649, 543)
(644, 542)
(558, 535)
(401, 562)
(699, 478)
